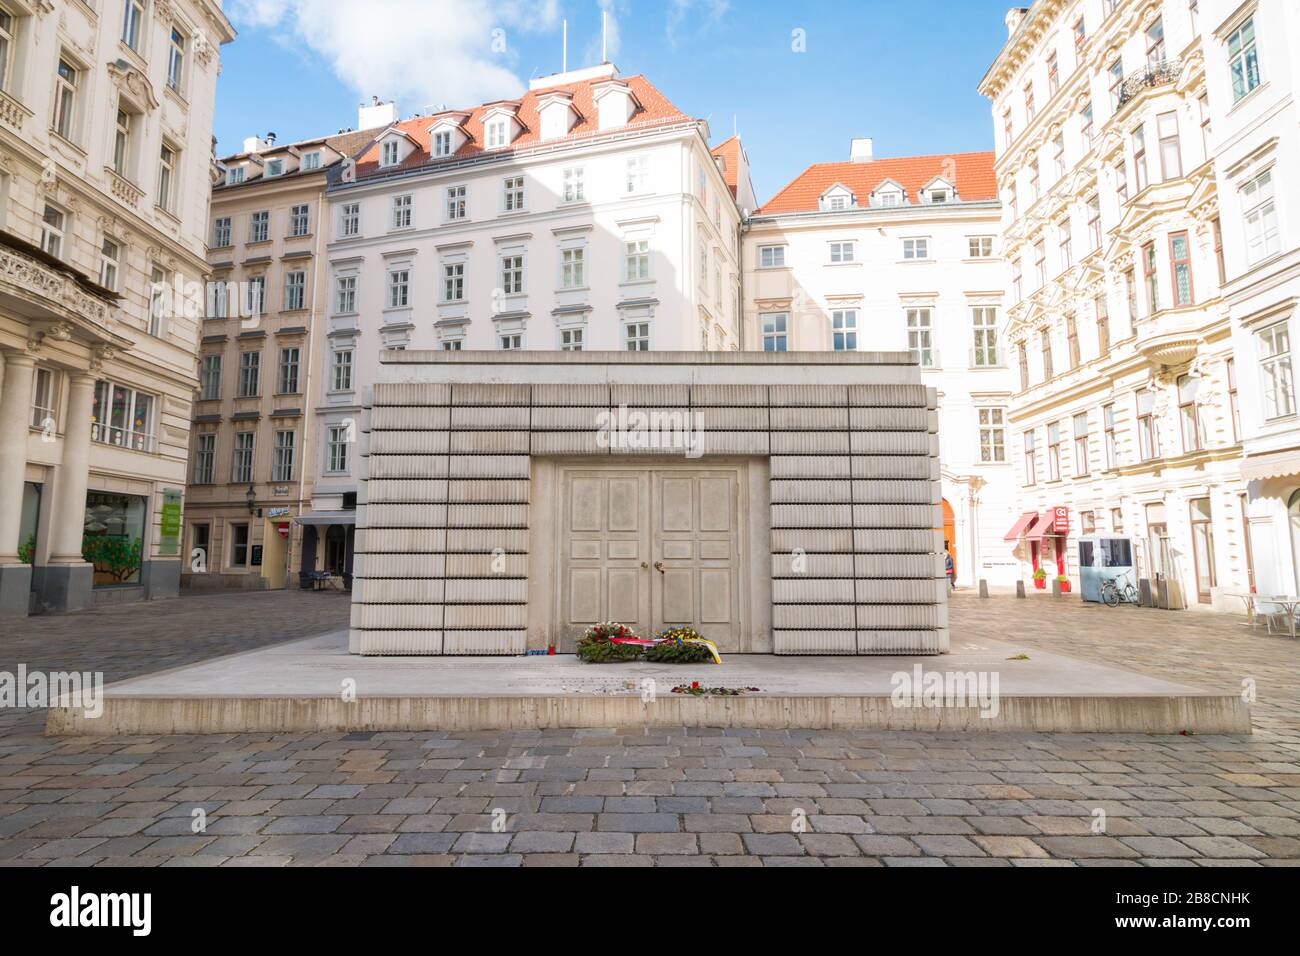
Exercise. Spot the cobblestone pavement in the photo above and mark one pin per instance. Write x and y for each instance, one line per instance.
(656, 796)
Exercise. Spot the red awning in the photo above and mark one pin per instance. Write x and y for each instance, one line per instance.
(1040, 529)
(1018, 528)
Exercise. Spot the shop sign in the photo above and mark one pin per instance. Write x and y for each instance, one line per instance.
(169, 526)
(1060, 520)
(276, 512)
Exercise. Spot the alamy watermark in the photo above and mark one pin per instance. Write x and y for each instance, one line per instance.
(72, 689)
(676, 430)
(921, 688)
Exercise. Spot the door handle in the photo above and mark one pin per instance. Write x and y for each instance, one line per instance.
(644, 565)
(659, 566)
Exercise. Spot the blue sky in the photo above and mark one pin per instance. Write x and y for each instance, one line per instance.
(901, 71)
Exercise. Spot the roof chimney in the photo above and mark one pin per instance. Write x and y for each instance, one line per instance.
(255, 144)
(860, 150)
(1015, 16)
(375, 113)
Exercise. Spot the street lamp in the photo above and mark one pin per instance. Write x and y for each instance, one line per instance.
(251, 497)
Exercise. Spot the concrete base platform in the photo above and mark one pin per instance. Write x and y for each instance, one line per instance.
(316, 685)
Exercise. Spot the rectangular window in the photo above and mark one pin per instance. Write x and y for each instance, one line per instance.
(1171, 154)
(843, 251)
(65, 99)
(1150, 276)
(1117, 520)
(993, 440)
(299, 220)
(122, 141)
(1148, 433)
(43, 396)
(239, 544)
(1086, 125)
(496, 134)
(1030, 110)
(1108, 433)
(1101, 315)
(399, 288)
(1234, 410)
(1040, 262)
(1080, 38)
(1094, 222)
(510, 341)
(920, 337)
(242, 461)
(1156, 44)
(402, 208)
(311, 161)
(844, 330)
(574, 188)
(1066, 238)
(571, 340)
(1031, 462)
(774, 331)
(259, 226)
(1180, 256)
(290, 359)
(916, 248)
(1115, 74)
(638, 174)
(341, 370)
(457, 204)
(1017, 279)
(345, 294)
(132, 22)
(210, 379)
(282, 464)
(1008, 128)
(110, 254)
(1072, 341)
(388, 154)
(205, 454)
(453, 281)
(441, 144)
(1140, 157)
(980, 247)
(636, 336)
(512, 199)
(218, 299)
(234, 175)
(573, 268)
(1262, 236)
(1243, 59)
(984, 322)
(122, 416)
(52, 226)
(250, 370)
(1278, 385)
(771, 257)
(1045, 344)
(636, 260)
(1189, 416)
(221, 235)
(336, 449)
(512, 274)
(1131, 296)
(350, 220)
(6, 48)
(255, 294)
(1203, 548)
(1058, 154)
(1022, 355)
(1054, 452)
(1217, 227)
(1121, 183)
(1053, 74)
(1081, 444)
(295, 290)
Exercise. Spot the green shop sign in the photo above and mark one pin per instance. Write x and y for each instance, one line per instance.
(170, 527)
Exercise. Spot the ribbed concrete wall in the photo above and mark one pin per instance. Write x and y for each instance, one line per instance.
(443, 550)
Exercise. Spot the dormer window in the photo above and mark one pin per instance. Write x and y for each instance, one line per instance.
(938, 195)
(497, 134)
(388, 153)
(836, 203)
(889, 198)
(311, 160)
(234, 175)
(442, 143)
(938, 192)
(275, 167)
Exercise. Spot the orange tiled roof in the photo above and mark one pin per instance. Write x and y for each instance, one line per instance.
(973, 172)
(729, 152)
(654, 109)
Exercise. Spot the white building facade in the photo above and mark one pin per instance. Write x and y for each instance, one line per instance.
(105, 152)
(1125, 413)
(1251, 55)
(589, 214)
(893, 255)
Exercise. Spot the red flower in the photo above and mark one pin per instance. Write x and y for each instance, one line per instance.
(694, 684)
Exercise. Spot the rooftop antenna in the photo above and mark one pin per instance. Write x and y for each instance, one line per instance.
(564, 55)
(735, 128)
(604, 35)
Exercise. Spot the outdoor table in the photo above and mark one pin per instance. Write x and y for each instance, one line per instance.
(1288, 601)
(1249, 599)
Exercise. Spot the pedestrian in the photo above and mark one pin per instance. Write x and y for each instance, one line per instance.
(948, 568)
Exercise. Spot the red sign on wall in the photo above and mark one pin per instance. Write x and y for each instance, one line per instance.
(283, 528)
(1060, 520)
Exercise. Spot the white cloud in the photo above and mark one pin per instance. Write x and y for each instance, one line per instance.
(419, 52)
(696, 15)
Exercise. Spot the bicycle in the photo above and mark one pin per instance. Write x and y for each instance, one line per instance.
(1112, 595)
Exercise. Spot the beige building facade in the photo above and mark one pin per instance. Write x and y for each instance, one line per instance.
(251, 455)
(105, 129)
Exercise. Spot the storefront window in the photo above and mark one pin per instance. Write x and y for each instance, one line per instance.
(113, 539)
(28, 522)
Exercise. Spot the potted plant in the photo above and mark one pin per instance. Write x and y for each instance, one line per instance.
(1040, 579)
(1063, 583)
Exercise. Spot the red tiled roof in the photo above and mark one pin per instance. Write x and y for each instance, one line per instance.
(654, 109)
(973, 172)
(729, 152)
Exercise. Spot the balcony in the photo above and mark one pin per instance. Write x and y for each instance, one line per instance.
(1155, 75)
